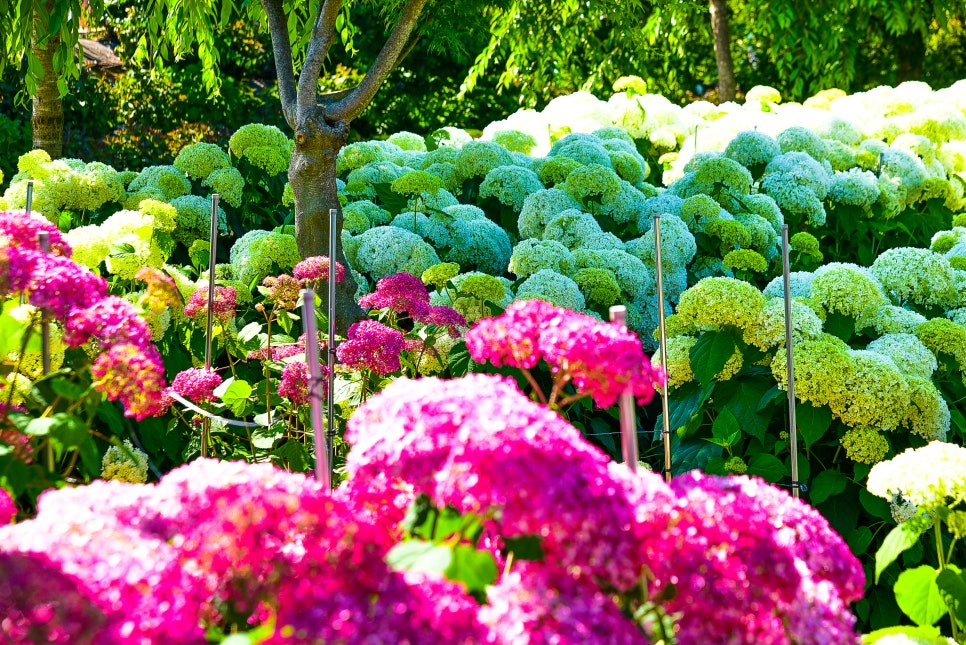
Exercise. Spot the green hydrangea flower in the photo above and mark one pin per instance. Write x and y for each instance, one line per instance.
(274, 161)
(585, 149)
(730, 233)
(909, 354)
(168, 179)
(408, 141)
(90, 246)
(944, 241)
(592, 182)
(130, 252)
(571, 228)
(714, 303)
(599, 286)
(477, 158)
(515, 141)
(30, 163)
(555, 170)
(199, 160)
(359, 154)
(510, 185)
(164, 215)
(915, 275)
(822, 366)
(768, 330)
(944, 336)
(635, 279)
(448, 173)
(553, 287)
(256, 135)
(228, 183)
(745, 260)
(864, 445)
(125, 465)
(678, 360)
(722, 171)
(800, 139)
(540, 207)
(194, 219)
(439, 274)
(416, 182)
(847, 289)
(735, 465)
(532, 255)
(360, 182)
(807, 245)
(753, 150)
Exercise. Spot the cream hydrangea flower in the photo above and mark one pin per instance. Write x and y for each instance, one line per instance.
(929, 477)
(128, 465)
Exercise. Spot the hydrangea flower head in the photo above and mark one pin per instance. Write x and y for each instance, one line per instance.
(228, 183)
(752, 149)
(127, 465)
(847, 289)
(540, 207)
(927, 477)
(547, 284)
(510, 185)
(532, 255)
(387, 250)
(721, 302)
(915, 275)
(315, 270)
(372, 345)
(134, 375)
(170, 181)
(864, 445)
(403, 293)
(478, 158)
(199, 160)
(196, 384)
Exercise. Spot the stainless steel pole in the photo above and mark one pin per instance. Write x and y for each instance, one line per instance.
(322, 467)
(628, 416)
(662, 344)
(789, 347)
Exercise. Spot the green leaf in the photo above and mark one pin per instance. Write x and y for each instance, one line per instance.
(68, 389)
(684, 402)
(249, 332)
(475, 569)
(418, 555)
(122, 249)
(69, 431)
(812, 422)
(952, 588)
(859, 540)
(925, 635)
(899, 539)
(768, 467)
(840, 325)
(294, 452)
(825, 485)
(389, 200)
(40, 427)
(918, 595)
(525, 547)
(743, 399)
(710, 353)
(691, 454)
(725, 427)
(235, 396)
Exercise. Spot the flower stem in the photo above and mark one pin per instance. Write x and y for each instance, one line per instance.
(533, 383)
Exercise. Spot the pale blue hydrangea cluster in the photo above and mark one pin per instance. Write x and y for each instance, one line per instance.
(854, 187)
(915, 275)
(553, 287)
(441, 230)
(532, 255)
(362, 215)
(510, 185)
(194, 219)
(753, 150)
(487, 249)
(386, 250)
(572, 228)
(678, 248)
(798, 184)
(585, 149)
(799, 282)
(800, 139)
(907, 352)
(360, 182)
(540, 207)
(168, 182)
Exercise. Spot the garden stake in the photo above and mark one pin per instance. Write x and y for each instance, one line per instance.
(212, 250)
(618, 315)
(43, 241)
(26, 211)
(330, 348)
(662, 341)
(322, 472)
(789, 343)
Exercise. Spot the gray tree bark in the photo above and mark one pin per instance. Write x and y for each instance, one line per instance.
(47, 117)
(727, 86)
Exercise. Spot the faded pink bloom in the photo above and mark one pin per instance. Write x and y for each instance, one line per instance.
(316, 269)
(196, 384)
(402, 293)
(223, 306)
(134, 375)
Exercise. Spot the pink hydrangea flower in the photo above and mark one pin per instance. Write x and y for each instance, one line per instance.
(316, 269)
(134, 375)
(403, 293)
(111, 321)
(372, 345)
(20, 230)
(196, 384)
(223, 306)
(294, 384)
(61, 286)
(8, 510)
(443, 316)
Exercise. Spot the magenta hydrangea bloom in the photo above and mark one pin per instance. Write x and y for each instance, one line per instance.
(470, 443)
(294, 384)
(403, 293)
(196, 384)
(135, 376)
(601, 359)
(543, 606)
(110, 321)
(316, 269)
(8, 510)
(61, 286)
(372, 345)
(223, 306)
(443, 316)
(20, 230)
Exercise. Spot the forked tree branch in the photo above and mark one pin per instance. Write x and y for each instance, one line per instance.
(352, 106)
(282, 51)
(323, 34)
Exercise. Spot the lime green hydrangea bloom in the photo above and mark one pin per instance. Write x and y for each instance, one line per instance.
(875, 394)
(199, 160)
(540, 207)
(416, 182)
(373, 214)
(408, 141)
(248, 260)
(532, 255)
(800, 139)
(944, 336)
(745, 260)
(482, 287)
(571, 228)
(928, 413)
(274, 161)
(510, 185)
(752, 149)
(929, 477)
(718, 302)
(90, 244)
(915, 275)
(822, 367)
(360, 182)
(841, 157)
(847, 289)
(477, 158)
(128, 465)
(555, 170)
(599, 286)
(20, 386)
(168, 179)
(583, 148)
(439, 274)
(228, 183)
(592, 182)
(97, 184)
(163, 215)
(553, 287)
(30, 163)
(515, 141)
(890, 319)
(255, 135)
(452, 180)
(720, 171)
(357, 155)
(806, 244)
(194, 219)
(698, 210)
(433, 360)
(864, 445)
(735, 465)
(635, 279)
(768, 330)
(909, 354)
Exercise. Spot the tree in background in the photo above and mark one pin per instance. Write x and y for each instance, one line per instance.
(46, 33)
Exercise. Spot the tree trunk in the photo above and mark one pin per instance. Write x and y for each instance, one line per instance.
(312, 174)
(47, 120)
(727, 85)
(910, 55)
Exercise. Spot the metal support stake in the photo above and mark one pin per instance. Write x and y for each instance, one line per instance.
(43, 241)
(789, 346)
(209, 329)
(322, 468)
(628, 423)
(26, 212)
(330, 352)
(662, 343)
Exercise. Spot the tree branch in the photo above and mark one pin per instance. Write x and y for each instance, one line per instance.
(323, 33)
(352, 106)
(282, 51)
